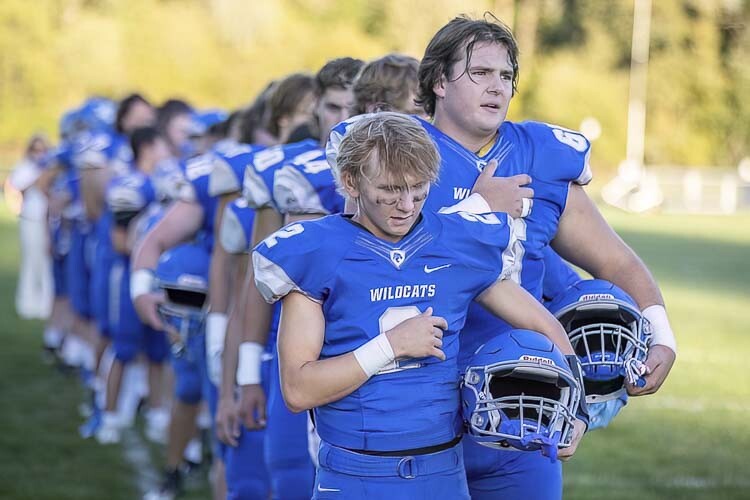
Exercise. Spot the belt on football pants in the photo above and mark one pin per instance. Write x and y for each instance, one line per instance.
(407, 467)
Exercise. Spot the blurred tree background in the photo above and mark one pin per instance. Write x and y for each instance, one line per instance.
(575, 57)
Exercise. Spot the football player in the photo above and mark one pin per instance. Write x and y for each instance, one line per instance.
(358, 339)
(468, 77)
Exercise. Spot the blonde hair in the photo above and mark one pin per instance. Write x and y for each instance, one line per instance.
(387, 83)
(389, 143)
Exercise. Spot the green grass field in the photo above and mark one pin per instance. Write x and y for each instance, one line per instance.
(691, 440)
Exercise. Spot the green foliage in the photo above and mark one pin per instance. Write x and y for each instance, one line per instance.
(575, 59)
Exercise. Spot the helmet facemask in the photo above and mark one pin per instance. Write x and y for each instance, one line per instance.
(523, 405)
(611, 340)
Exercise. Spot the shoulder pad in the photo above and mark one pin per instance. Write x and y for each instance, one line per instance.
(257, 182)
(223, 178)
(254, 190)
(231, 160)
(294, 193)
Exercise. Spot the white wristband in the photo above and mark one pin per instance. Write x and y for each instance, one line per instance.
(662, 332)
(216, 329)
(248, 364)
(375, 355)
(474, 204)
(141, 283)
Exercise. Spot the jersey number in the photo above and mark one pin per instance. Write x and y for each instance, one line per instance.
(283, 233)
(572, 139)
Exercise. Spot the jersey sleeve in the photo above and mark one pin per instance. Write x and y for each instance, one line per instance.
(257, 185)
(236, 228)
(306, 189)
(223, 178)
(231, 160)
(487, 243)
(560, 154)
(283, 263)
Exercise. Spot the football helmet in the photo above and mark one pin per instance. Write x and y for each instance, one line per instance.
(519, 392)
(608, 333)
(182, 274)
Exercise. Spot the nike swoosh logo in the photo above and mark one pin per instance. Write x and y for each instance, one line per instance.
(429, 270)
(320, 488)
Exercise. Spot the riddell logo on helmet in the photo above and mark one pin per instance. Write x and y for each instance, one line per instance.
(596, 296)
(537, 359)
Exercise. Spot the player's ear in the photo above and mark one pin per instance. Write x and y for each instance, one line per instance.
(351, 186)
(439, 87)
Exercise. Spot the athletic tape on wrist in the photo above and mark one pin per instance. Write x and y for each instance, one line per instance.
(248, 363)
(141, 283)
(375, 355)
(216, 329)
(660, 328)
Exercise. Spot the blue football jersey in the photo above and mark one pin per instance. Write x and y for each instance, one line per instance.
(306, 185)
(367, 286)
(258, 182)
(231, 158)
(236, 229)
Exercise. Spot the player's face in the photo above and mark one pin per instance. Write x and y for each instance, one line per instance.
(473, 102)
(178, 133)
(389, 207)
(303, 114)
(334, 106)
(139, 115)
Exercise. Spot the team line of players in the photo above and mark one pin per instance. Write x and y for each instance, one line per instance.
(391, 206)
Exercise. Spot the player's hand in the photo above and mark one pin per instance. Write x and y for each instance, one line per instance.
(418, 337)
(658, 364)
(505, 194)
(253, 406)
(228, 420)
(579, 428)
(146, 306)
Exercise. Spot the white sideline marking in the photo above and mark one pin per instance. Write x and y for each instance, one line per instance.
(139, 457)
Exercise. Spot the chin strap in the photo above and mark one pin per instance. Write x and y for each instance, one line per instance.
(634, 370)
(548, 443)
